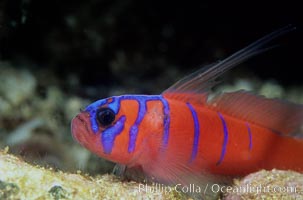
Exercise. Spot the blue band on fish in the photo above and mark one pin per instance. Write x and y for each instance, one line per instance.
(249, 136)
(142, 100)
(109, 135)
(166, 121)
(225, 139)
(133, 132)
(196, 132)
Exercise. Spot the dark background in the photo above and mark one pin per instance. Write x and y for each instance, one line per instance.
(110, 42)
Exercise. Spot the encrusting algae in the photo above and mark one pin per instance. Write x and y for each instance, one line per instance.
(275, 184)
(20, 180)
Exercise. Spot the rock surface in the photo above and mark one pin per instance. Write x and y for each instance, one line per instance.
(275, 184)
(19, 180)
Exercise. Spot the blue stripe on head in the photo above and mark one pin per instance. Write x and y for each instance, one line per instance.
(225, 132)
(113, 103)
(108, 136)
(142, 101)
(133, 132)
(166, 122)
(249, 135)
(92, 109)
(196, 132)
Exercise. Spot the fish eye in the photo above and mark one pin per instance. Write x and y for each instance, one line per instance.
(105, 116)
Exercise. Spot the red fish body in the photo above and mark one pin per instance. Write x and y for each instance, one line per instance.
(230, 145)
(182, 136)
(221, 144)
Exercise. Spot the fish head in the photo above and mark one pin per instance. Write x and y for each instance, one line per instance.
(101, 128)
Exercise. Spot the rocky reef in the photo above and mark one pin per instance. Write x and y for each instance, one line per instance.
(20, 180)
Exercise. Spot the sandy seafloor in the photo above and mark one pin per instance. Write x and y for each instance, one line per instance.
(57, 57)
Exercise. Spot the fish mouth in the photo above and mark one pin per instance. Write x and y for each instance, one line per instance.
(80, 127)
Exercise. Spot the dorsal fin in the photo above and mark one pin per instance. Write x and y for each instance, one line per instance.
(197, 98)
(278, 115)
(202, 80)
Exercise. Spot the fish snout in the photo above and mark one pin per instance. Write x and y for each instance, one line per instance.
(80, 127)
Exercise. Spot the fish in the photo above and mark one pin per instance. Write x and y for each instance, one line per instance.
(184, 136)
